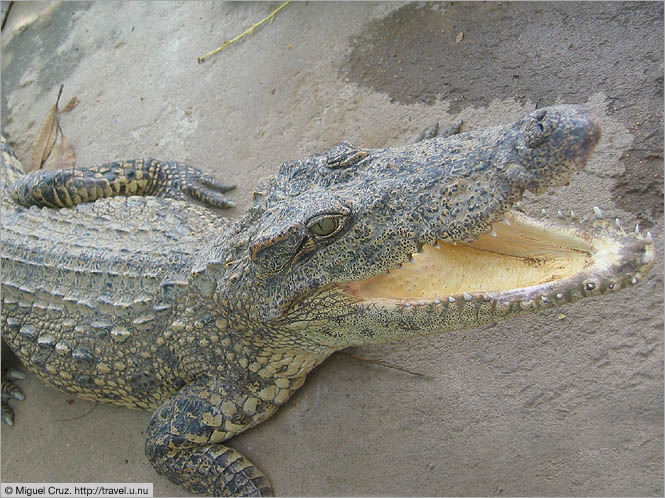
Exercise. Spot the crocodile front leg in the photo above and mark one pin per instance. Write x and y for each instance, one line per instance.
(185, 434)
(70, 187)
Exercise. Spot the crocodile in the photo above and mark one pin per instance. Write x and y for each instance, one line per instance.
(123, 283)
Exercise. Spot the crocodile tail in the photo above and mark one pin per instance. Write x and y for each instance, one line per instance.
(12, 169)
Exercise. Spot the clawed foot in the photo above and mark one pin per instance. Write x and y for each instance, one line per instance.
(186, 182)
(10, 391)
(433, 131)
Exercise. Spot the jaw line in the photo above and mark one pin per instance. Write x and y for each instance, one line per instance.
(520, 260)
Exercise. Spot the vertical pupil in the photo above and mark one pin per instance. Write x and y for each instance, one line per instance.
(325, 227)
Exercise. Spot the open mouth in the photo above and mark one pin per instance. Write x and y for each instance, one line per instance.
(520, 260)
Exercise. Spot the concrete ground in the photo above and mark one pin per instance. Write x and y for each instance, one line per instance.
(567, 402)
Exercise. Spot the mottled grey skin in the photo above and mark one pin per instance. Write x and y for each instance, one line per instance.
(392, 201)
(162, 304)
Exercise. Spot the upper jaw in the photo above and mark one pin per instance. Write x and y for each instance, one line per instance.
(431, 185)
(508, 258)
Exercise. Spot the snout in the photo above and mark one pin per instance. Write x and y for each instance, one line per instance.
(557, 141)
(591, 131)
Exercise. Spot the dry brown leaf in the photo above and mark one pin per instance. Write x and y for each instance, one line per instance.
(459, 37)
(62, 156)
(43, 145)
(52, 149)
(46, 139)
(70, 105)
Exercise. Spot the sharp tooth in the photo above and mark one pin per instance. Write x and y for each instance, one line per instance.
(637, 229)
(467, 297)
(437, 246)
(437, 301)
(647, 257)
(617, 224)
(598, 213)
(486, 297)
(633, 280)
(559, 295)
(408, 305)
(493, 233)
(559, 214)
(507, 221)
(543, 212)
(649, 238)
(451, 299)
(545, 299)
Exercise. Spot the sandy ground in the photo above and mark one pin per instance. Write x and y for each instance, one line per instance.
(567, 402)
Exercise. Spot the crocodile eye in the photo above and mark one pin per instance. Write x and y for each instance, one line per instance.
(325, 226)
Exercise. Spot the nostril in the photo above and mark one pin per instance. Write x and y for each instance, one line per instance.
(540, 126)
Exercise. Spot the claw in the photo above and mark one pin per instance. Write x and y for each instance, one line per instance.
(10, 391)
(15, 374)
(453, 130)
(213, 199)
(429, 132)
(195, 184)
(211, 182)
(7, 414)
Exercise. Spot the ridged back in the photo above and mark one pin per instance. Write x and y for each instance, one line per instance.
(118, 249)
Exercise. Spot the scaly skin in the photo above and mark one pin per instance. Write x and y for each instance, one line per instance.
(159, 303)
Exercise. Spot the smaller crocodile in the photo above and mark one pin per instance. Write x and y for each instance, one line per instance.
(119, 286)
